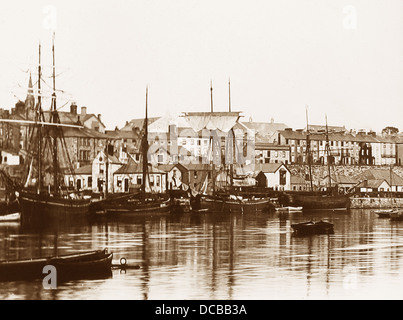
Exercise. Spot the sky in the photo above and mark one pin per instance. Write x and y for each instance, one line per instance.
(340, 58)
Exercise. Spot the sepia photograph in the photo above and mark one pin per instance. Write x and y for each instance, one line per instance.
(201, 155)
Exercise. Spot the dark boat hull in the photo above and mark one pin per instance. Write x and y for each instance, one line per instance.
(81, 265)
(311, 227)
(320, 202)
(126, 207)
(33, 204)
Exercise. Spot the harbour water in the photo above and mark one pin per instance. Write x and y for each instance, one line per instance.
(219, 257)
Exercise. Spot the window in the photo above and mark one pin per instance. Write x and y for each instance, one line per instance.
(283, 177)
(139, 179)
(151, 180)
(160, 158)
(158, 181)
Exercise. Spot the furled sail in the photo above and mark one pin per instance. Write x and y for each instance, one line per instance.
(223, 121)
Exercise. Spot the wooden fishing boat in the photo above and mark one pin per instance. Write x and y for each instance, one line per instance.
(133, 205)
(313, 227)
(91, 263)
(231, 203)
(10, 217)
(317, 200)
(384, 213)
(145, 201)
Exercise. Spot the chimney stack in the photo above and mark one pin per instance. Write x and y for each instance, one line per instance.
(73, 108)
(83, 111)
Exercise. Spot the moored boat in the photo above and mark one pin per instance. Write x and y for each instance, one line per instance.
(91, 263)
(313, 227)
(289, 209)
(384, 213)
(44, 191)
(10, 217)
(233, 203)
(143, 202)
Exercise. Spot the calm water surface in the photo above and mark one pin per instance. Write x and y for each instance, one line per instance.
(220, 256)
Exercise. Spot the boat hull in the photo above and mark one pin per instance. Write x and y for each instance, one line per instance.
(125, 207)
(82, 265)
(310, 227)
(320, 202)
(36, 207)
(232, 205)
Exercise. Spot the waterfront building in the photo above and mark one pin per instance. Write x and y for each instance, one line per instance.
(266, 152)
(347, 148)
(272, 175)
(129, 178)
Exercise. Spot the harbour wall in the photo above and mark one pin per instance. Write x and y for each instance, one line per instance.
(375, 203)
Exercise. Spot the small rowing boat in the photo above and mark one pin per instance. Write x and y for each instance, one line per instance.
(313, 227)
(73, 266)
(10, 217)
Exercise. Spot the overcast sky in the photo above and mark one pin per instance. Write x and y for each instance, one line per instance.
(342, 58)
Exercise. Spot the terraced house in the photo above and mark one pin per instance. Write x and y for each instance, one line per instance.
(345, 147)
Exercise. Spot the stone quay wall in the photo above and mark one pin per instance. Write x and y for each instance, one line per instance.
(375, 203)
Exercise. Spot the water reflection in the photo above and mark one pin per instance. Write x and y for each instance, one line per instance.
(220, 256)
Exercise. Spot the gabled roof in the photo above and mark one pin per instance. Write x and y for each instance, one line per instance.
(169, 167)
(136, 167)
(84, 133)
(84, 170)
(376, 183)
(138, 123)
(259, 167)
(268, 167)
(342, 179)
(381, 174)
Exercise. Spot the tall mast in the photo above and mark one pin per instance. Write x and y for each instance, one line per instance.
(232, 148)
(212, 140)
(229, 95)
(211, 96)
(308, 149)
(54, 120)
(145, 144)
(39, 128)
(328, 153)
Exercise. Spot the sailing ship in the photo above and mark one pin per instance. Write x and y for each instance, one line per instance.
(44, 191)
(138, 203)
(331, 199)
(229, 198)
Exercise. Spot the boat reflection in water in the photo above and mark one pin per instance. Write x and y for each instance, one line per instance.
(225, 256)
